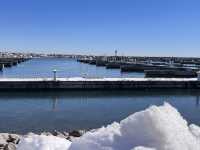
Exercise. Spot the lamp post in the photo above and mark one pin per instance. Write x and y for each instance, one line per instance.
(54, 74)
(115, 53)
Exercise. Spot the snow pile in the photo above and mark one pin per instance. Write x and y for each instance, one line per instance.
(42, 142)
(156, 128)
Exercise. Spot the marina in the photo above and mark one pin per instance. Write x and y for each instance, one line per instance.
(31, 90)
(99, 75)
(69, 74)
(168, 67)
(62, 97)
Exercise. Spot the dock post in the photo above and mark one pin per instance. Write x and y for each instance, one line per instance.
(54, 74)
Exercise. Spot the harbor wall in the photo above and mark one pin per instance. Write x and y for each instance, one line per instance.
(101, 85)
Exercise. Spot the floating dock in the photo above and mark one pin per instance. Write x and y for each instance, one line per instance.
(80, 83)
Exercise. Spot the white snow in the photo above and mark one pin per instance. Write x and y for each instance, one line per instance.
(142, 148)
(42, 142)
(156, 128)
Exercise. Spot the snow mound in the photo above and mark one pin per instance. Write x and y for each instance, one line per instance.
(156, 128)
(43, 142)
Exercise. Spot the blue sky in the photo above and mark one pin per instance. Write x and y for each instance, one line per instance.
(134, 27)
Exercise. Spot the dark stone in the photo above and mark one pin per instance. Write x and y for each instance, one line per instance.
(66, 134)
(13, 138)
(10, 146)
(75, 133)
(55, 133)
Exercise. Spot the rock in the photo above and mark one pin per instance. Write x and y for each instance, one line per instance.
(3, 140)
(55, 133)
(66, 134)
(14, 138)
(59, 134)
(71, 138)
(10, 146)
(75, 133)
(2, 145)
(4, 135)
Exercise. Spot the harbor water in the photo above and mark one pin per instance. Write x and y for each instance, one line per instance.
(23, 112)
(43, 67)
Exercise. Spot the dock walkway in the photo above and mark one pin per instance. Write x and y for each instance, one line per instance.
(80, 83)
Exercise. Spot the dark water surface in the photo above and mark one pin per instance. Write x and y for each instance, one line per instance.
(64, 111)
(23, 112)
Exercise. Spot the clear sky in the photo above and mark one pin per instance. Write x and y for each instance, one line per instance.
(134, 27)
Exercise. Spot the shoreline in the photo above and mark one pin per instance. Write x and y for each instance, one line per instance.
(9, 141)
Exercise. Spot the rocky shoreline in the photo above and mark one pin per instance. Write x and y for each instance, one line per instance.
(10, 141)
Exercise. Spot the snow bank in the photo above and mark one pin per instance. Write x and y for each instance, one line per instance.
(156, 128)
(42, 142)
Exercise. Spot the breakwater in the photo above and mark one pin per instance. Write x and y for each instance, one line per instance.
(163, 66)
(9, 62)
(98, 83)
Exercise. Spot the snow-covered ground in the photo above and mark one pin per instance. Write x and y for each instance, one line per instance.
(156, 128)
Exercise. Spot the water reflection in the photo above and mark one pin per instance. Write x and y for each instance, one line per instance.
(55, 101)
(197, 101)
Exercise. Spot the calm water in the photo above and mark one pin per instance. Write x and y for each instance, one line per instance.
(66, 68)
(22, 112)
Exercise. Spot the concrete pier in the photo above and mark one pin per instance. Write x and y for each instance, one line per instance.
(114, 65)
(170, 74)
(139, 67)
(92, 62)
(14, 84)
(153, 67)
(101, 62)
